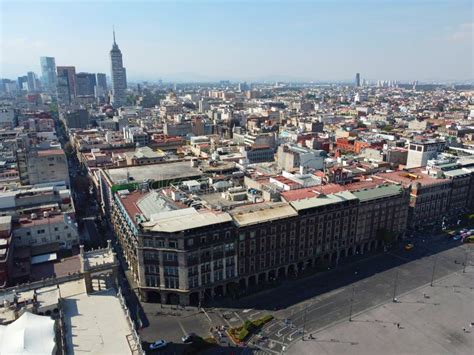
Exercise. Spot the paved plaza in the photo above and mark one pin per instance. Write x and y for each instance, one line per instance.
(428, 320)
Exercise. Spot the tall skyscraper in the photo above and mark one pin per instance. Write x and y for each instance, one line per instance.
(48, 73)
(66, 86)
(85, 83)
(119, 77)
(357, 81)
(31, 81)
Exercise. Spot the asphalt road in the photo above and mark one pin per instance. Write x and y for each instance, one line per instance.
(369, 283)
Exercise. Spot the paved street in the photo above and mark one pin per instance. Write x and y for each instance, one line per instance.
(315, 302)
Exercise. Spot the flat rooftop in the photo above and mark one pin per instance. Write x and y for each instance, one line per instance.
(185, 219)
(406, 178)
(156, 172)
(262, 212)
(323, 200)
(95, 323)
(377, 192)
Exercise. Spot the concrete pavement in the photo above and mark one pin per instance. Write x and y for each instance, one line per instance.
(428, 320)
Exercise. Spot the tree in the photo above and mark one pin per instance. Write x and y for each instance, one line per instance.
(68, 149)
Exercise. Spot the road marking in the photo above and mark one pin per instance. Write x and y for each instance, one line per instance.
(267, 329)
(278, 342)
(298, 331)
(239, 317)
(207, 315)
(278, 333)
(182, 328)
(225, 320)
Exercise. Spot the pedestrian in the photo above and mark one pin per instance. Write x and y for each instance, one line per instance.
(398, 325)
(464, 330)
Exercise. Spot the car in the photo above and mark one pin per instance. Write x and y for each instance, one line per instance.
(409, 247)
(456, 237)
(188, 338)
(159, 344)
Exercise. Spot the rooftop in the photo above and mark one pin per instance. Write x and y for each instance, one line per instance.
(457, 172)
(172, 221)
(377, 192)
(259, 213)
(156, 172)
(94, 323)
(406, 178)
(323, 200)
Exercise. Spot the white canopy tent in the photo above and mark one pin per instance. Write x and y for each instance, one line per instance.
(30, 334)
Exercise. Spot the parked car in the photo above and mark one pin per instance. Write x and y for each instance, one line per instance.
(188, 338)
(457, 237)
(409, 247)
(159, 344)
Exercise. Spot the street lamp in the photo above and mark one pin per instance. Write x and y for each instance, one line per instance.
(352, 303)
(395, 284)
(434, 268)
(465, 261)
(304, 322)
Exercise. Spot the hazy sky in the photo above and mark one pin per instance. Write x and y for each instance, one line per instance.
(250, 40)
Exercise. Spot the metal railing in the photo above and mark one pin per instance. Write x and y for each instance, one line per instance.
(134, 334)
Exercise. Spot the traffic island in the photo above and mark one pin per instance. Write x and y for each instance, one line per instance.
(240, 334)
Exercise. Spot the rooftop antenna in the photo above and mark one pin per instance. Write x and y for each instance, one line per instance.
(113, 30)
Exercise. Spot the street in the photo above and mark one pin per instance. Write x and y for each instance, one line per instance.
(307, 305)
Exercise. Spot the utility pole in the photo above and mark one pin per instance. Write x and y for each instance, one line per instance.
(395, 284)
(434, 268)
(352, 303)
(304, 323)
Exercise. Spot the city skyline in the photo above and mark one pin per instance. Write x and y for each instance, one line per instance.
(301, 41)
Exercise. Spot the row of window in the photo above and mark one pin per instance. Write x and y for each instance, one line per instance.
(154, 255)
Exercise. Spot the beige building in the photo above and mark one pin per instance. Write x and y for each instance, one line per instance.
(45, 166)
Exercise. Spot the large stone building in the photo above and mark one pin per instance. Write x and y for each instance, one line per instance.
(187, 255)
(429, 196)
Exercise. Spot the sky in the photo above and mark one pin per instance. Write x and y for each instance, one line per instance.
(319, 40)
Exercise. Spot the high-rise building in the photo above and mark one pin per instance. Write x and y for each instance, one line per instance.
(66, 86)
(85, 83)
(31, 80)
(101, 85)
(23, 82)
(48, 73)
(357, 80)
(119, 77)
(102, 81)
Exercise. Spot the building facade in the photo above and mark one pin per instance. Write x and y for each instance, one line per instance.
(419, 152)
(44, 166)
(66, 86)
(218, 253)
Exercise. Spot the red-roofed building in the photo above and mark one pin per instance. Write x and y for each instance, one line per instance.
(429, 197)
